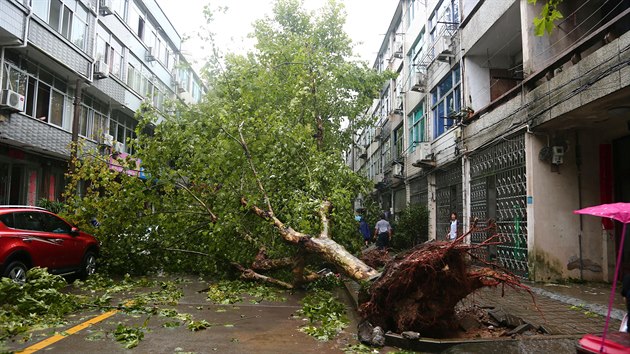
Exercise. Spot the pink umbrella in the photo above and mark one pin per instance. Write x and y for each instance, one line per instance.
(619, 212)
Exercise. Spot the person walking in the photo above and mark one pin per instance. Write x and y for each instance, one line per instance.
(364, 229)
(383, 232)
(452, 233)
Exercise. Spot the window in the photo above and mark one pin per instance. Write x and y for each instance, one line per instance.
(417, 126)
(51, 223)
(93, 120)
(119, 7)
(57, 108)
(122, 128)
(386, 149)
(135, 20)
(28, 221)
(398, 142)
(68, 17)
(7, 219)
(109, 49)
(78, 35)
(445, 100)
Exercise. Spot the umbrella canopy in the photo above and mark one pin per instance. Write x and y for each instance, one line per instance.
(617, 211)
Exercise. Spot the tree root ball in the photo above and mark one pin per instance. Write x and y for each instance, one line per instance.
(419, 289)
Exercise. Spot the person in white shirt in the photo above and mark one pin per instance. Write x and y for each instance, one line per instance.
(452, 233)
(382, 233)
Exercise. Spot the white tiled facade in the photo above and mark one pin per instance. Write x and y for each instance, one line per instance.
(487, 120)
(122, 52)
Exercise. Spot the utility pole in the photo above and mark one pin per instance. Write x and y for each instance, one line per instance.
(75, 127)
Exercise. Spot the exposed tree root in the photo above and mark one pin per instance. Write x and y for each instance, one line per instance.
(419, 289)
(375, 258)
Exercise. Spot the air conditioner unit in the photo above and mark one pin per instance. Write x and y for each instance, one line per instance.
(399, 50)
(101, 69)
(397, 170)
(419, 83)
(444, 49)
(179, 86)
(108, 139)
(151, 55)
(119, 147)
(362, 153)
(12, 101)
(377, 133)
(424, 152)
(105, 7)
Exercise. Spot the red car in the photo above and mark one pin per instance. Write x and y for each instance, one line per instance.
(35, 237)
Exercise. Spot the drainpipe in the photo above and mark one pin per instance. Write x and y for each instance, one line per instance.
(578, 164)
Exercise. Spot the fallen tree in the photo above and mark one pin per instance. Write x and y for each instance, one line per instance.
(255, 178)
(418, 289)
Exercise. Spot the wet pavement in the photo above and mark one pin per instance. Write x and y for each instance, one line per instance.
(566, 311)
(266, 327)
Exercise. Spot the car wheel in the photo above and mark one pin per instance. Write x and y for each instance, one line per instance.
(89, 264)
(16, 271)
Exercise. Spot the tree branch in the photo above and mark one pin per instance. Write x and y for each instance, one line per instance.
(324, 210)
(213, 217)
(248, 274)
(287, 233)
(248, 155)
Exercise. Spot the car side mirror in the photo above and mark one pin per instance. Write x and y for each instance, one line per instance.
(74, 231)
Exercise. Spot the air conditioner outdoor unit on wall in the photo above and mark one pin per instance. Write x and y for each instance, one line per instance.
(119, 147)
(105, 7)
(12, 101)
(398, 50)
(151, 55)
(101, 69)
(108, 139)
(420, 83)
(425, 151)
(444, 48)
(397, 170)
(377, 133)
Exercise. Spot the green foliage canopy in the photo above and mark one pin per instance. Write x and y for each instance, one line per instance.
(289, 100)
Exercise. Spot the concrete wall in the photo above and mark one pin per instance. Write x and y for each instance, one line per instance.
(594, 77)
(12, 20)
(501, 120)
(488, 14)
(477, 82)
(554, 231)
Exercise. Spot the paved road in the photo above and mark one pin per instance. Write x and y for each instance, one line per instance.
(268, 327)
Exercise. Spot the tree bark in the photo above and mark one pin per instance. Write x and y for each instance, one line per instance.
(322, 245)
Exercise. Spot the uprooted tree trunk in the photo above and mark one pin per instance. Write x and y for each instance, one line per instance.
(419, 289)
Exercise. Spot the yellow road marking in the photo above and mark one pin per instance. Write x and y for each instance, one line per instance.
(57, 337)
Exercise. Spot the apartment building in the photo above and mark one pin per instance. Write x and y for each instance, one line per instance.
(492, 122)
(118, 53)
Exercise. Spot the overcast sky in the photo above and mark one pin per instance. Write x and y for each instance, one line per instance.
(366, 23)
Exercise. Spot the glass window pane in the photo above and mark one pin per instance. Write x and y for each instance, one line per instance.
(67, 21)
(55, 14)
(56, 108)
(78, 33)
(83, 121)
(40, 8)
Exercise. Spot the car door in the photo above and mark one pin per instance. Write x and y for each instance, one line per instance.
(58, 230)
(45, 248)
